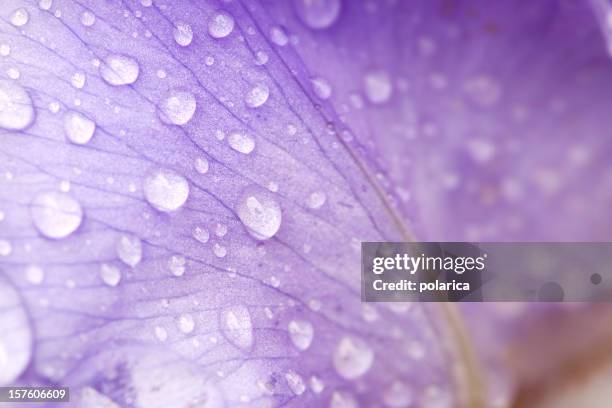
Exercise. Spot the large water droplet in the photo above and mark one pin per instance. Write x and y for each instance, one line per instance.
(177, 107)
(318, 14)
(129, 249)
(237, 327)
(16, 110)
(220, 25)
(20, 17)
(88, 18)
(15, 335)
(166, 190)
(110, 274)
(295, 382)
(259, 212)
(117, 69)
(34, 274)
(378, 86)
(185, 323)
(183, 34)
(56, 215)
(343, 399)
(78, 128)
(257, 96)
(352, 357)
(241, 142)
(301, 333)
(321, 88)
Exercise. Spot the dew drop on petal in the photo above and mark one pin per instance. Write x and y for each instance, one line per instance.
(78, 80)
(183, 34)
(15, 335)
(129, 249)
(201, 165)
(16, 109)
(177, 107)
(185, 323)
(5, 50)
(5, 247)
(257, 96)
(316, 200)
(316, 384)
(259, 212)
(398, 395)
(236, 326)
(220, 25)
(378, 87)
(261, 58)
(34, 274)
(118, 69)
(78, 128)
(56, 215)
(20, 17)
(301, 333)
(110, 274)
(318, 14)
(343, 399)
(146, 3)
(241, 142)
(219, 250)
(161, 333)
(278, 36)
(321, 88)
(166, 190)
(176, 264)
(45, 4)
(201, 234)
(295, 382)
(88, 18)
(352, 358)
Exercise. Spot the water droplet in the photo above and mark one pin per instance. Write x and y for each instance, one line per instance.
(316, 200)
(110, 275)
(34, 274)
(15, 336)
(5, 50)
(119, 70)
(398, 395)
(343, 399)
(5, 247)
(257, 96)
(278, 36)
(318, 14)
(45, 4)
(259, 212)
(176, 263)
(146, 3)
(219, 250)
(129, 250)
(378, 86)
(301, 333)
(166, 190)
(483, 90)
(201, 234)
(78, 128)
(56, 215)
(201, 165)
(221, 230)
(177, 107)
(13, 73)
(183, 34)
(261, 58)
(185, 323)
(295, 382)
(88, 18)
(220, 25)
(161, 333)
(78, 80)
(352, 358)
(16, 110)
(20, 17)
(237, 327)
(241, 142)
(209, 60)
(316, 384)
(321, 88)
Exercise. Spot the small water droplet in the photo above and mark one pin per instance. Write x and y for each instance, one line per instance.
(316, 200)
(278, 36)
(129, 249)
(20, 17)
(35, 274)
(398, 395)
(318, 14)
(5, 50)
(241, 142)
(45, 4)
(166, 190)
(56, 215)
(352, 358)
(295, 382)
(88, 18)
(78, 128)
(146, 3)
(261, 58)
(301, 333)
(176, 264)
(119, 70)
(316, 384)
(110, 274)
(220, 25)
(257, 96)
(378, 86)
(237, 327)
(343, 399)
(183, 34)
(201, 234)
(219, 250)
(483, 90)
(201, 165)
(259, 212)
(78, 80)
(161, 333)
(177, 107)
(5, 247)
(221, 230)
(321, 88)
(16, 109)
(185, 323)
(209, 60)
